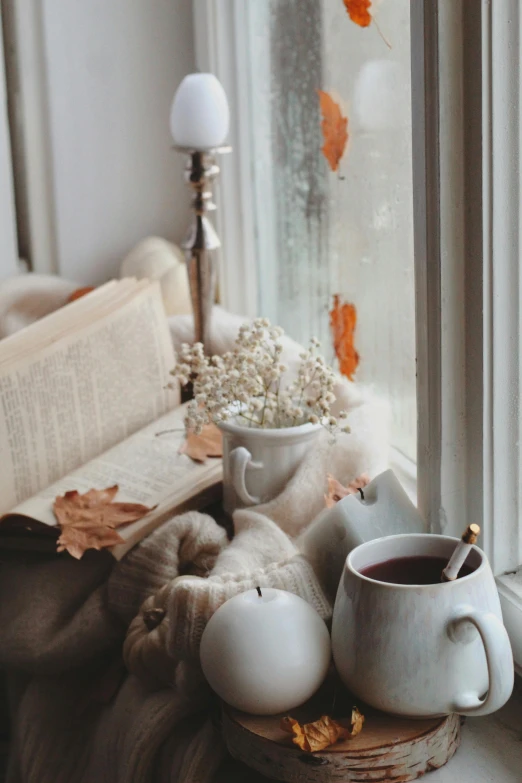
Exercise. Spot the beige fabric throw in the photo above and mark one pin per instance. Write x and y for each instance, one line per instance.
(77, 718)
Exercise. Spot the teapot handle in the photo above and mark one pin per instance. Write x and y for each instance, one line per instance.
(499, 659)
(240, 459)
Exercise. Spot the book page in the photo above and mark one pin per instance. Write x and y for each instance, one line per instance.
(82, 393)
(51, 326)
(148, 469)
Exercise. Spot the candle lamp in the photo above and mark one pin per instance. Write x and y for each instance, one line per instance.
(199, 123)
(201, 239)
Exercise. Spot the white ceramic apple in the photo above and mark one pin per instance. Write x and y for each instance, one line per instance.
(265, 653)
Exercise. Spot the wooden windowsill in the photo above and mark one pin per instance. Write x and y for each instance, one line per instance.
(491, 751)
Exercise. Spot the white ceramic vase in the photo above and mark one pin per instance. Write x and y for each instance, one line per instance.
(258, 463)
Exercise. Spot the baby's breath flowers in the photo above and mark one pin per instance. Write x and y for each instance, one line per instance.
(247, 383)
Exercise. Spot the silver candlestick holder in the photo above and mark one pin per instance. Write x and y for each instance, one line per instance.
(201, 240)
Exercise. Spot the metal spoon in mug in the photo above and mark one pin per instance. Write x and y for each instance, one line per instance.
(462, 550)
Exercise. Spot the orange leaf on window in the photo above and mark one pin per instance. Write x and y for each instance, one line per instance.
(343, 320)
(358, 11)
(334, 127)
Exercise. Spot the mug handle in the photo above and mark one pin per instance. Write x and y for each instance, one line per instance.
(239, 460)
(499, 659)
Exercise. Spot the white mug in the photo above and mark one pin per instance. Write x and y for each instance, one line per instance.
(421, 650)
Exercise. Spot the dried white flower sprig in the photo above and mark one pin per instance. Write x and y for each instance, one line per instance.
(247, 383)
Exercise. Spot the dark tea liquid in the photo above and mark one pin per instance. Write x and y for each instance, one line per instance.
(417, 570)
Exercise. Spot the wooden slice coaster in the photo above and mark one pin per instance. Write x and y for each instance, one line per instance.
(388, 750)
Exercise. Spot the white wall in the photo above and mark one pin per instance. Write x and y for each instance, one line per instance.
(112, 67)
(8, 245)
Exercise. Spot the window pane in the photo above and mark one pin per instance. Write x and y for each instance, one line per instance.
(350, 232)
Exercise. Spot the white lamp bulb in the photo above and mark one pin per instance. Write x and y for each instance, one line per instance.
(200, 117)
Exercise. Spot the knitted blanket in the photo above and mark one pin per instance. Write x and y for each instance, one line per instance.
(79, 715)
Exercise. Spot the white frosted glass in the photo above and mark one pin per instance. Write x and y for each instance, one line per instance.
(349, 232)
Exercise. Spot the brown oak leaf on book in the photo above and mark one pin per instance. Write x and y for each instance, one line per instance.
(89, 521)
(209, 443)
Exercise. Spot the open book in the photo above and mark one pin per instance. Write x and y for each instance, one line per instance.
(84, 404)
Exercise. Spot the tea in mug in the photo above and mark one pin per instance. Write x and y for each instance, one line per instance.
(415, 570)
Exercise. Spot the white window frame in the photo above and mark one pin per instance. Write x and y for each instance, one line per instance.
(467, 249)
(32, 151)
(220, 43)
(469, 347)
(502, 129)
(448, 265)
(8, 239)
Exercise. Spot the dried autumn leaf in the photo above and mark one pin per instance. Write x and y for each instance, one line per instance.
(88, 520)
(357, 722)
(358, 11)
(337, 491)
(322, 733)
(209, 443)
(311, 737)
(343, 320)
(79, 292)
(334, 127)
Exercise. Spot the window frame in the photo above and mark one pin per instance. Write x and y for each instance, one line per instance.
(8, 238)
(220, 48)
(476, 392)
(31, 144)
(501, 40)
(448, 227)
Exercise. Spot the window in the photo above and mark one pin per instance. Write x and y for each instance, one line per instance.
(348, 232)
(314, 232)
(465, 118)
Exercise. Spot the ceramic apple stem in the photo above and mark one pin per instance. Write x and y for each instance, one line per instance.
(462, 550)
(260, 594)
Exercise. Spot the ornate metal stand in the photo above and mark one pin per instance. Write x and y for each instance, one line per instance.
(201, 239)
